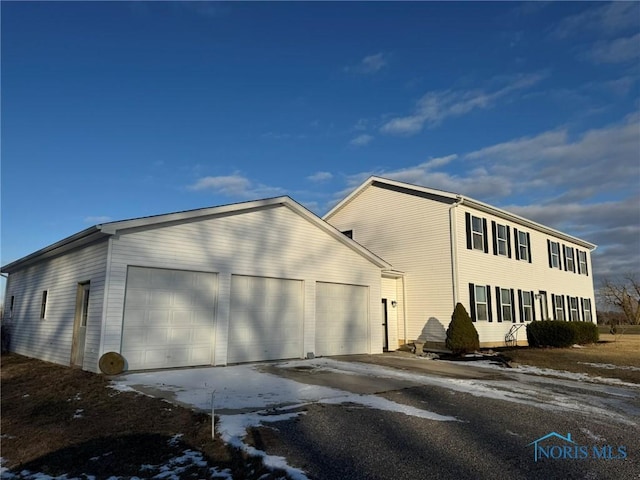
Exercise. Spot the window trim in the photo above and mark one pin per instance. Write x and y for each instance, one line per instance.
(558, 307)
(472, 234)
(569, 267)
(526, 245)
(524, 308)
(572, 310)
(473, 302)
(582, 265)
(586, 310)
(554, 256)
(501, 241)
(501, 305)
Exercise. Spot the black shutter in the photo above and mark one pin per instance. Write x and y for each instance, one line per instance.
(472, 301)
(494, 230)
(573, 252)
(489, 308)
(513, 307)
(564, 256)
(515, 235)
(499, 303)
(533, 306)
(578, 261)
(467, 219)
(509, 242)
(529, 246)
(486, 235)
(553, 304)
(549, 253)
(520, 307)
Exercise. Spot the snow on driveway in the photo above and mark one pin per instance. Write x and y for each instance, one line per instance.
(245, 397)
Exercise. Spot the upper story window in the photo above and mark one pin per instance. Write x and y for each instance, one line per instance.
(582, 263)
(554, 254)
(505, 297)
(586, 310)
(523, 246)
(476, 233)
(569, 261)
(501, 239)
(43, 305)
(558, 307)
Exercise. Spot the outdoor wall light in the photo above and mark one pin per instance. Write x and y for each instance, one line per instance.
(394, 303)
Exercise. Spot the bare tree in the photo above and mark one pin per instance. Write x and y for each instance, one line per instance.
(624, 295)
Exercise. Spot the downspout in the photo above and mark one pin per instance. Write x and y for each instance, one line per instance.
(453, 237)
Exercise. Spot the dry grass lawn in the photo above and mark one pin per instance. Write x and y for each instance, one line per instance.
(619, 350)
(58, 420)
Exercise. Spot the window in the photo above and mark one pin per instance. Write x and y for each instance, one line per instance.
(544, 305)
(480, 301)
(523, 249)
(348, 233)
(554, 254)
(586, 310)
(505, 297)
(569, 264)
(558, 307)
(12, 304)
(43, 305)
(501, 240)
(574, 316)
(477, 233)
(526, 306)
(582, 263)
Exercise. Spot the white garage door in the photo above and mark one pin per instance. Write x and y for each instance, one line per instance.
(342, 317)
(266, 319)
(168, 318)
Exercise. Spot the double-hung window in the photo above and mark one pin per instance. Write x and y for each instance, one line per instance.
(482, 309)
(569, 260)
(586, 310)
(574, 316)
(582, 263)
(554, 254)
(527, 306)
(523, 246)
(477, 233)
(501, 240)
(505, 297)
(558, 307)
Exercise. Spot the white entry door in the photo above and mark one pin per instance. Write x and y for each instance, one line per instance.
(342, 319)
(265, 320)
(169, 318)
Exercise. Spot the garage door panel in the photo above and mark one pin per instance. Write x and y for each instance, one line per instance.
(167, 322)
(342, 319)
(266, 319)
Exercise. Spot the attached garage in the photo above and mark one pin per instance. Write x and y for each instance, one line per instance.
(169, 318)
(266, 319)
(252, 281)
(342, 319)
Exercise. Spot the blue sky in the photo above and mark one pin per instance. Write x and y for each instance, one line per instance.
(116, 110)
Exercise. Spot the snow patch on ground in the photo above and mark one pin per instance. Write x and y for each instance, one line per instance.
(610, 366)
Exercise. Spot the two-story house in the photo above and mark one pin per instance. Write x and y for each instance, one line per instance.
(506, 270)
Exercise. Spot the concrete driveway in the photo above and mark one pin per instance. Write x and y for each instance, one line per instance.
(400, 416)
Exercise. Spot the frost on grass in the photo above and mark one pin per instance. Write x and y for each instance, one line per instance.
(610, 366)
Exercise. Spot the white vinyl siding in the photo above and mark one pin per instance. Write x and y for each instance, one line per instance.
(412, 233)
(273, 241)
(51, 339)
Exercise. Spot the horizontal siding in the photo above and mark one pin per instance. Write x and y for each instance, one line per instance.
(51, 339)
(271, 242)
(412, 233)
(481, 268)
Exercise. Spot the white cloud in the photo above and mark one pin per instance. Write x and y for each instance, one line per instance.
(361, 140)
(320, 176)
(235, 185)
(94, 220)
(436, 106)
(619, 50)
(606, 19)
(369, 64)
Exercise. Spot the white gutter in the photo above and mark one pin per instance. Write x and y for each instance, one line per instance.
(453, 237)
